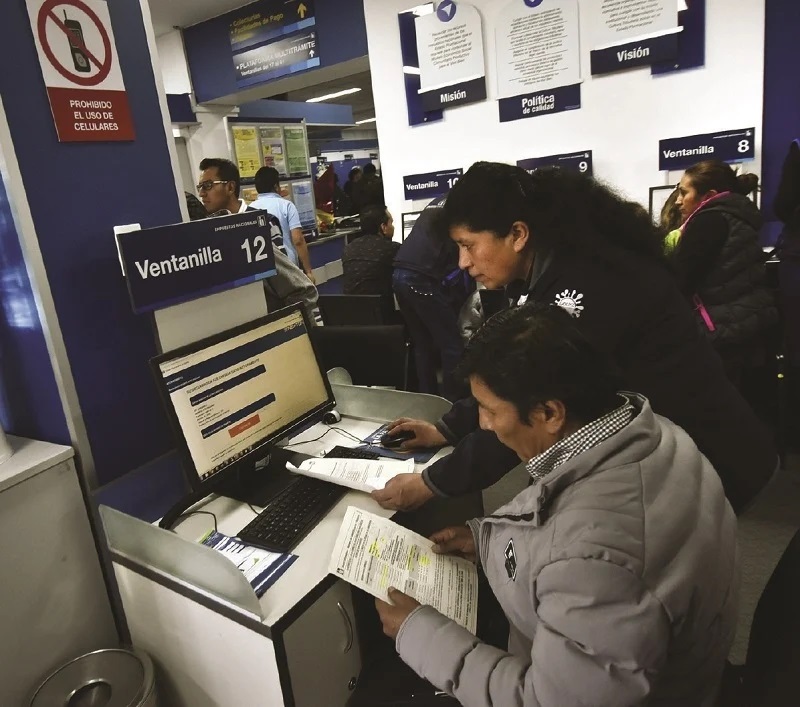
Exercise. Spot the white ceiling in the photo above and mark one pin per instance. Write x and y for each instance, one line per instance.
(362, 102)
(168, 14)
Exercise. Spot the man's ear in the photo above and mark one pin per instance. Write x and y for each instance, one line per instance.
(520, 235)
(552, 414)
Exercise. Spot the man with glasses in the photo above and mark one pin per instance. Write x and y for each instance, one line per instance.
(218, 187)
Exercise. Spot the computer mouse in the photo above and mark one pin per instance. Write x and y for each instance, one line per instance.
(389, 440)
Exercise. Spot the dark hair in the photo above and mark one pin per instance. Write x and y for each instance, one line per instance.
(719, 176)
(670, 217)
(267, 178)
(534, 353)
(353, 172)
(369, 169)
(372, 218)
(225, 168)
(564, 210)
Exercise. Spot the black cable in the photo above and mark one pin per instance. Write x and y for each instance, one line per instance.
(194, 513)
(347, 434)
(307, 441)
(253, 509)
(342, 432)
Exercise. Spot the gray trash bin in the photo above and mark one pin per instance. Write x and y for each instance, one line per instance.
(105, 678)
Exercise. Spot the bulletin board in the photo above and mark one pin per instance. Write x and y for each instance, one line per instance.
(283, 146)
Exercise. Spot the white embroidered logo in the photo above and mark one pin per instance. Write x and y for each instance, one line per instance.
(511, 561)
(522, 300)
(570, 300)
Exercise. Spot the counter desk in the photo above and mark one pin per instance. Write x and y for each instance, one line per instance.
(215, 643)
(326, 258)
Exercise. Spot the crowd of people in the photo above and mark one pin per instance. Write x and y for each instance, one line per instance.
(611, 372)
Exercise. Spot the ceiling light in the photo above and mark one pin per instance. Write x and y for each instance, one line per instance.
(329, 96)
(412, 70)
(368, 120)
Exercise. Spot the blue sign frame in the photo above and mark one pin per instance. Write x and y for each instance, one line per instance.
(273, 38)
(534, 105)
(430, 184)
(168, 265)
(728, 145)
(574, 161)
(645, 52)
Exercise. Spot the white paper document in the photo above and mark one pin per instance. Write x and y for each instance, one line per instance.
(374, 553)
(359, 474)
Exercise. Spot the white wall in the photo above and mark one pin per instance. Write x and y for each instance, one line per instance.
(623, 116)
(174, 69)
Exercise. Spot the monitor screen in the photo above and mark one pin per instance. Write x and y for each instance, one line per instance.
(237, 391)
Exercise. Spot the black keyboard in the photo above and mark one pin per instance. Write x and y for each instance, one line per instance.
(292, 514)
(338, 452)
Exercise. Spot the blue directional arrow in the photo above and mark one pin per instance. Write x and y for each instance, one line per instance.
(446, 10)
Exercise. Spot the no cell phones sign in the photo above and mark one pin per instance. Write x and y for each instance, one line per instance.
(81, 70)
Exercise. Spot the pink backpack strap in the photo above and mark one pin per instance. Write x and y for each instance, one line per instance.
(701, 309)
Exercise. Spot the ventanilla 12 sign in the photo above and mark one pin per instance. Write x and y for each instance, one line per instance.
(81, 70)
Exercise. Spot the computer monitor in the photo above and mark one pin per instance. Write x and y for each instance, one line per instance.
(234, 394)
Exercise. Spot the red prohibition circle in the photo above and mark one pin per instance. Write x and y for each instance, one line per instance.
(46, 12)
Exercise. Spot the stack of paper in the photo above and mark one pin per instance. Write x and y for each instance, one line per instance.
(360, 474)
(374, 553)
(260, 567)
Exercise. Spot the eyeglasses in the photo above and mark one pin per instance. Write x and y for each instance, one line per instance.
(207, 186)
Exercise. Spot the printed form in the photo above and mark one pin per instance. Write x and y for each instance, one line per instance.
(374, 553)
(359, 474)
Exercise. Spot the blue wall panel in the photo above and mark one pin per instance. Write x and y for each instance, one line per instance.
(342, 36)
(781, 93)
(30, 405)
(77, 193)
(322, 113)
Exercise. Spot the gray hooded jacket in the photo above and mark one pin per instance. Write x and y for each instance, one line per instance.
(623, 586)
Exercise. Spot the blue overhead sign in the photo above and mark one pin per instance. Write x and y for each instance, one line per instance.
(270, 61)
(727, 146)
(431, 184)
(273, 38)
(574, 161)
(172, 264)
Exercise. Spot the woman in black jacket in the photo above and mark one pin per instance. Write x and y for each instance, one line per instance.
(562, 238)
(720, 264)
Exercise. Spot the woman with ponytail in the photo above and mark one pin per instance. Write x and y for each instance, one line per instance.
(720, 264)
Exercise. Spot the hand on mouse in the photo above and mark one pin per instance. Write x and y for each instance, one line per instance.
(426, 436)
(391, 441)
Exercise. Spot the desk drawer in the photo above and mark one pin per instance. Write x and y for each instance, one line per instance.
(322, 650)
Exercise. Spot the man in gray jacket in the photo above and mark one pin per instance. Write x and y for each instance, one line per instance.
(617, 566)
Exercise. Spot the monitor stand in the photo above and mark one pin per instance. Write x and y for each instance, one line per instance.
(258, 483)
